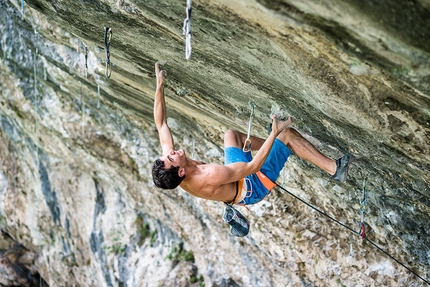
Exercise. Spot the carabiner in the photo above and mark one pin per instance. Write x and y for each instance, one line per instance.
(247, 144)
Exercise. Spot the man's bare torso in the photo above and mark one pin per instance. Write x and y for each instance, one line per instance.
(205, 183)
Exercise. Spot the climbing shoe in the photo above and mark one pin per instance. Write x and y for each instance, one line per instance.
(342, 165)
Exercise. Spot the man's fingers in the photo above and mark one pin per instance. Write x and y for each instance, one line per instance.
(274, 124)
(277, 127)
(162, 74)
(157, 70)
(274, 120)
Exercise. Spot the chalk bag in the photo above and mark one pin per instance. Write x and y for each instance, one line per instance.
(239, 225)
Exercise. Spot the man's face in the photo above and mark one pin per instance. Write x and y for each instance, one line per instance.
(174, 158)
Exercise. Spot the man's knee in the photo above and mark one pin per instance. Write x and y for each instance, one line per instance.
(287, 135)
(232, 138)
(231, 135)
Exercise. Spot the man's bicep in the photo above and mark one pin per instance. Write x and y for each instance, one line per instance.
(166, 139)
(233, 172)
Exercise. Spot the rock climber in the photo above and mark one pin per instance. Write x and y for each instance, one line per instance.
(242, 179)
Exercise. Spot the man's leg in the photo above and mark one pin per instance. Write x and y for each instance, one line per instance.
(300, 146)
(237, 139)
(305, 150)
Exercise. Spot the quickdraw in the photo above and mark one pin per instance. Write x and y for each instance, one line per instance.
(363, 209)
(247, 144)
(186, 30)
(107, 38)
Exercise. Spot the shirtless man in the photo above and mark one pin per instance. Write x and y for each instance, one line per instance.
(236, 181)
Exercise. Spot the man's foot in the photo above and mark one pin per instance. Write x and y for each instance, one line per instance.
(342, 165)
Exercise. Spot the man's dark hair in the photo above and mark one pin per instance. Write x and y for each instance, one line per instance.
(165, 178)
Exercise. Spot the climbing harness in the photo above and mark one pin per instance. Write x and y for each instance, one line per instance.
(247, 144)
(107, 38)
(186, 30)
(353, 231)
(363, 209)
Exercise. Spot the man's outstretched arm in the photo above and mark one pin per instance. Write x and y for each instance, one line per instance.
(235, 171)
(160, 118)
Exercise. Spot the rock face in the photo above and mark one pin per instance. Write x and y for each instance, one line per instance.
(76, 194)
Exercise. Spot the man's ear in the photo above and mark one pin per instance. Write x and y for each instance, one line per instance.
(181, 172)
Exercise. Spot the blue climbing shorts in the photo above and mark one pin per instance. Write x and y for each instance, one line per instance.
(273, 165)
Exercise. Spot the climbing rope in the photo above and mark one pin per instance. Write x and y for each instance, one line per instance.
(247, 144)
(107, 38)
(186, 30)
(353, 231)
